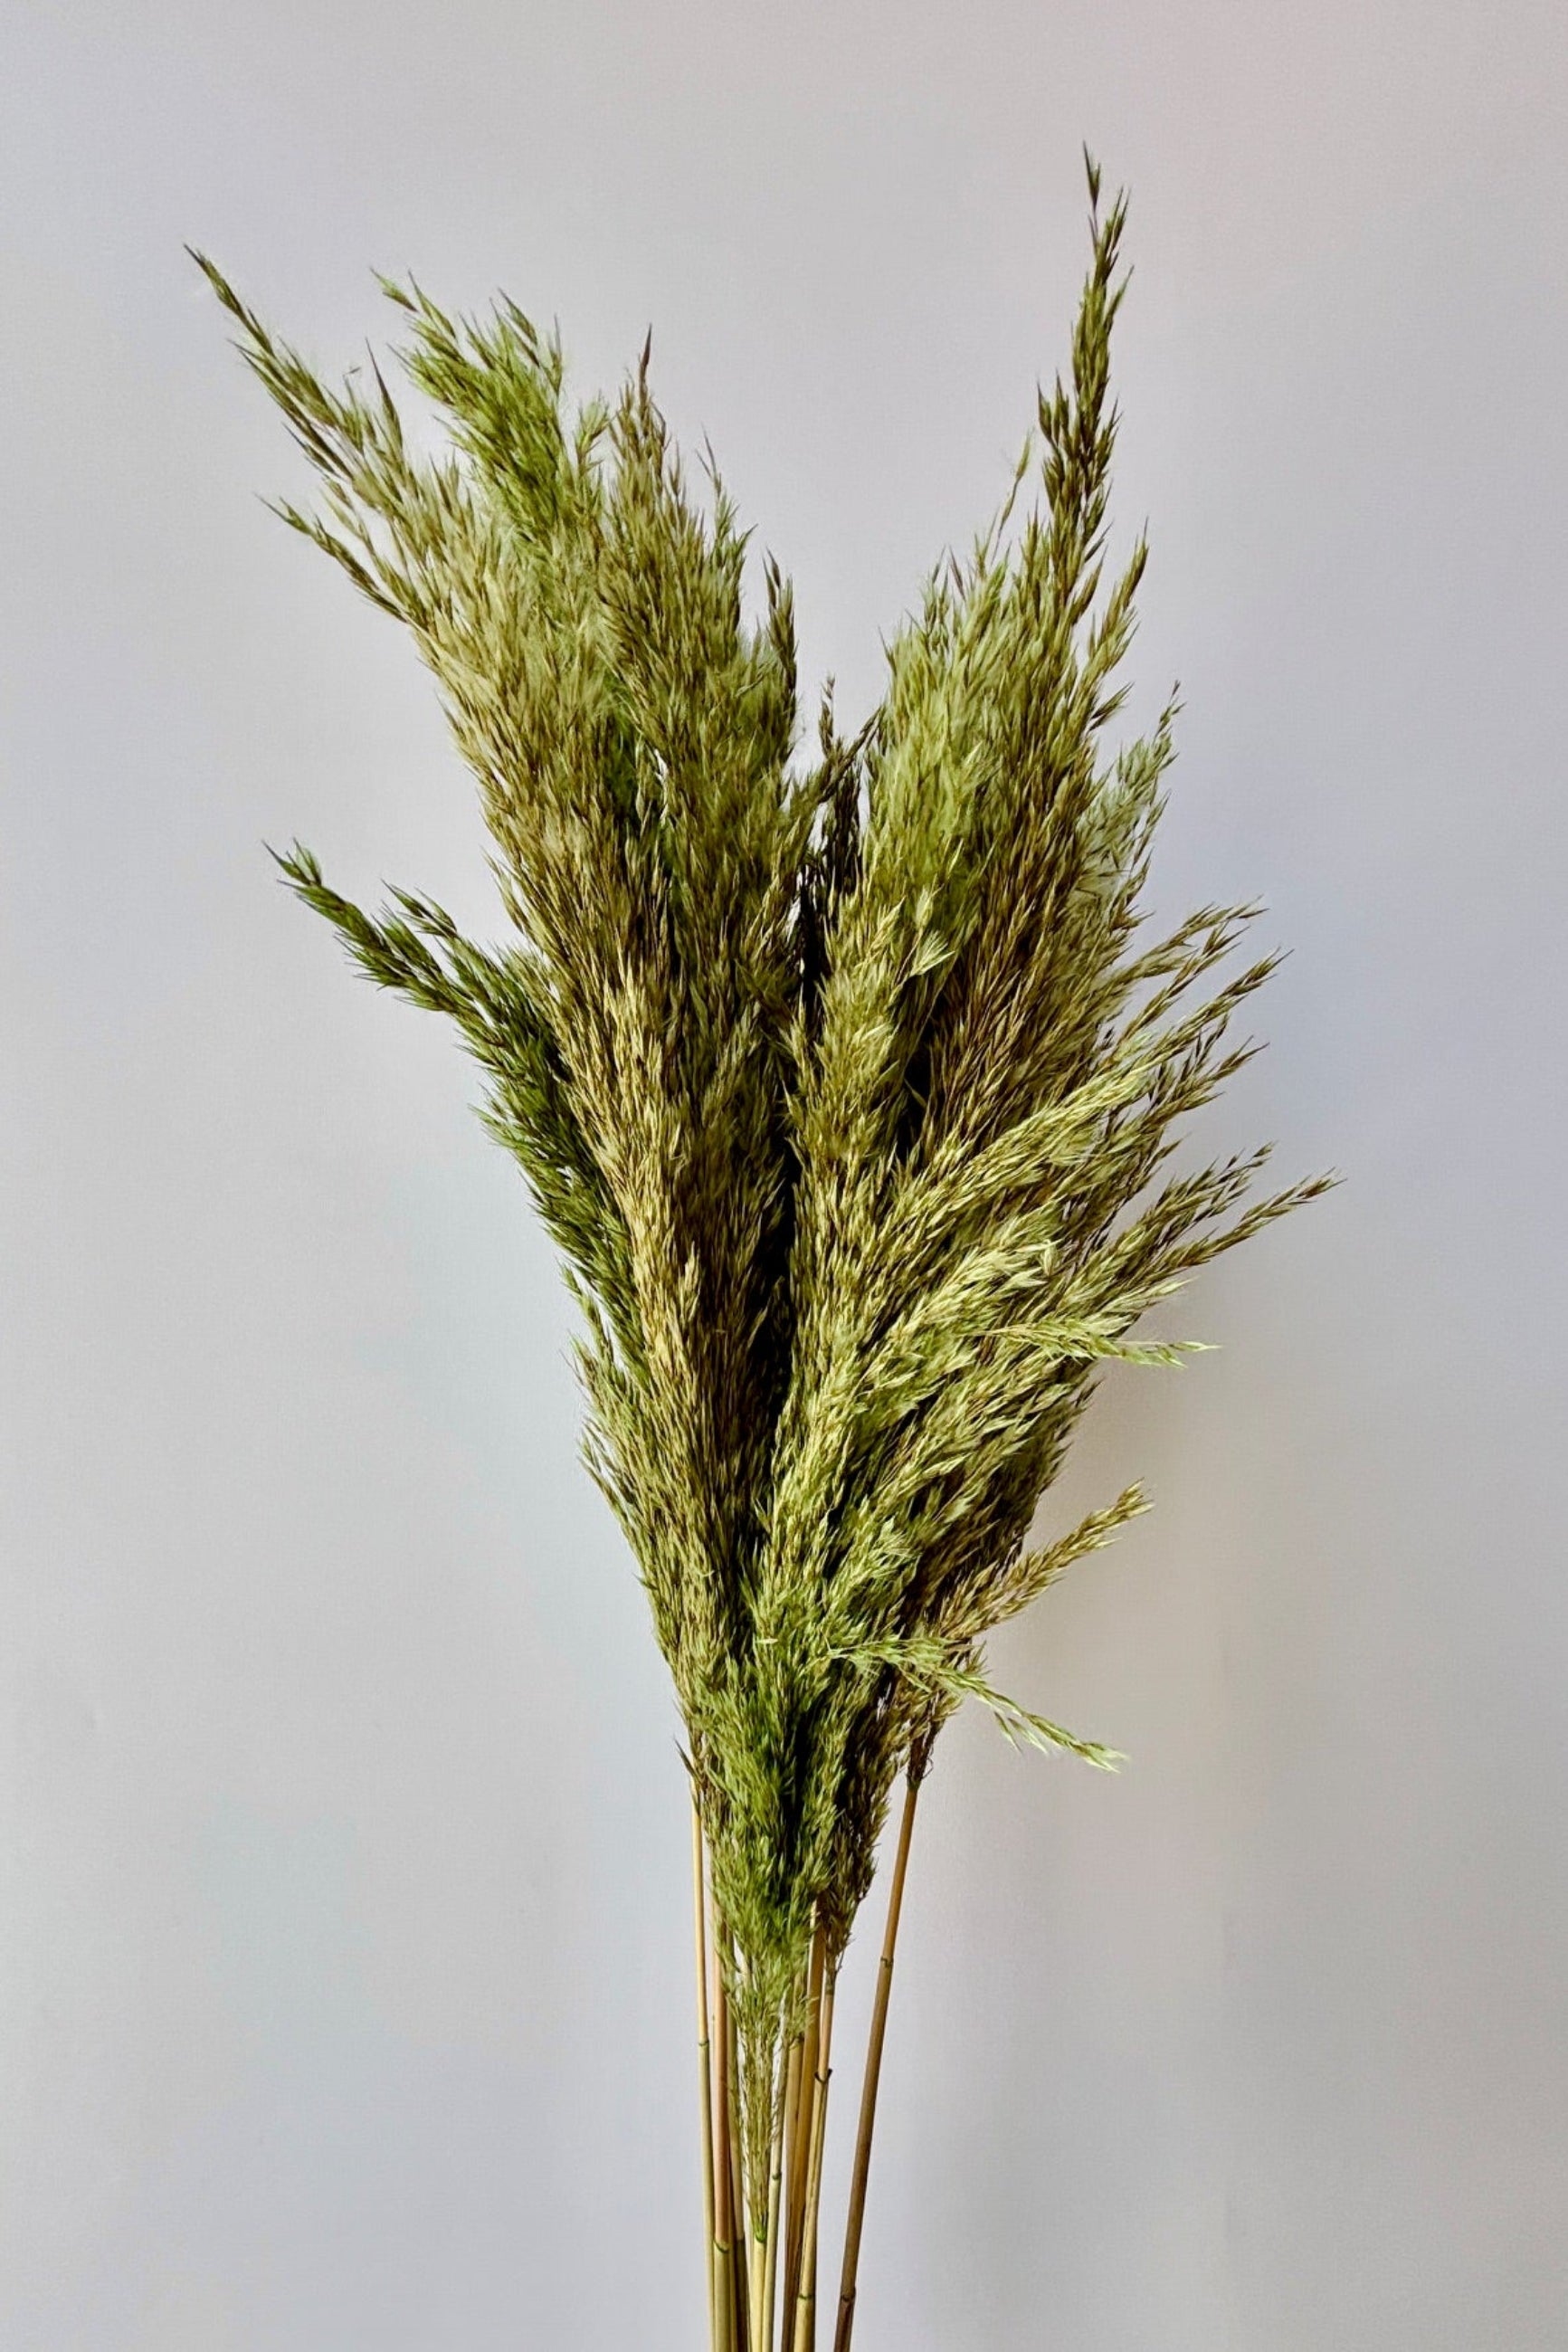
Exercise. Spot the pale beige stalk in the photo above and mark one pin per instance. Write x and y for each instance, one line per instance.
(805, 2335)
(704, 2054)
(801, 2137)
(723, 2241)
(875, 2039)
(777, 2229)
(775, 2206)
(738, 2266)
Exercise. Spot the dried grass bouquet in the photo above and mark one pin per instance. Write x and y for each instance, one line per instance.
(845, 1084)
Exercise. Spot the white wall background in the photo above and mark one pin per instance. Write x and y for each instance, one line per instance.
(343, 1994)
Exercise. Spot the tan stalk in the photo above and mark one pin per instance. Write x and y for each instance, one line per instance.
(800, 2155)
(705, 2058)
(736, 2168)
(778, 2236)
(775, 2208)
(724, 2262)
(756, 2289)
(755, 2267)
(805, 2335)
(875, 2039)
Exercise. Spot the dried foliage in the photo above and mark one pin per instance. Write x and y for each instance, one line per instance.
(845, 1084)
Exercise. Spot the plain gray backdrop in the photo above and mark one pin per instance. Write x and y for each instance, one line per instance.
(344, 1933)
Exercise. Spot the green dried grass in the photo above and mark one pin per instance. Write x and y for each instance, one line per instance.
(845, 1086)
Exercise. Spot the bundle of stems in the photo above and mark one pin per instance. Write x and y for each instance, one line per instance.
(845, 1084)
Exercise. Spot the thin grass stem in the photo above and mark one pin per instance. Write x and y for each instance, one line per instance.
(705, 2057)
(737, 2267)
(756, 2288)
(724, 2263)
(786, 2129)
(775, 2209)
(805, 2335)
(855, 2220)
(801, 2148)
